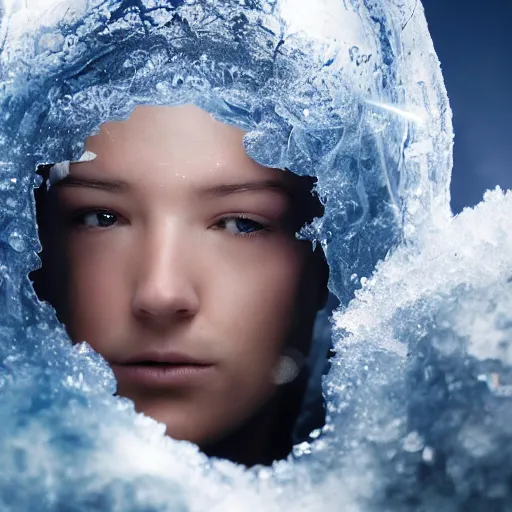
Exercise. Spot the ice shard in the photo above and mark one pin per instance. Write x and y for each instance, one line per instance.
(419, 400)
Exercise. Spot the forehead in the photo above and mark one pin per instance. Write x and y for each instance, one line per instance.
(182, 148)
(184, 156)
(172, 141)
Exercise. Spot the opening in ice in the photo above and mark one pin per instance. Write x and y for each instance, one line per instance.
(174, 255)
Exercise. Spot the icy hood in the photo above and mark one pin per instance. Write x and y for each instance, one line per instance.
(350, 91)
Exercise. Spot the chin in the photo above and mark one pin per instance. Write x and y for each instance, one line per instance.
(180, 425)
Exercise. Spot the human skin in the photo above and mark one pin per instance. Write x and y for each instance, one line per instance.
(157, 260)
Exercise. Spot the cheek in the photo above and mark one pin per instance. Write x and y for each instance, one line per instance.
(252, 295)
(97, 292)
(248, 305)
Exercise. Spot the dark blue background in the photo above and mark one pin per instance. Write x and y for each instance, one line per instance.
(473, 39)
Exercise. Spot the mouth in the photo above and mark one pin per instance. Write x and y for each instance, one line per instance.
(162, 371)
(162, 363)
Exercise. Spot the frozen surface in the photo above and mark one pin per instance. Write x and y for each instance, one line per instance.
(419, 394)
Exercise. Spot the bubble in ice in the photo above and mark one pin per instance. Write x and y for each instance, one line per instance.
(418, 394)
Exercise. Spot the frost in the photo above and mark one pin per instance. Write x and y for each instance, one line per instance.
(61, 169)
(59, 172)
(419, 411)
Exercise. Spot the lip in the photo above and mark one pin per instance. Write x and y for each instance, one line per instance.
(163, 357)
(161, 369)
(161, 375)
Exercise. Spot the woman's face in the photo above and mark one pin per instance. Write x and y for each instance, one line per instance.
(183, 270)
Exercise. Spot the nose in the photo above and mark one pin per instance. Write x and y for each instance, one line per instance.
(164, 286)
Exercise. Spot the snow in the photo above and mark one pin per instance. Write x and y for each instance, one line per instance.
(419, 412)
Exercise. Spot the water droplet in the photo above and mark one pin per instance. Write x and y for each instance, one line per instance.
(16, 242)
(302, 449)
(428, 455)
(316, 433)
(413, 442)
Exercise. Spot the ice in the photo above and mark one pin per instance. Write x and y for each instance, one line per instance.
(350, 91)
(450, 315)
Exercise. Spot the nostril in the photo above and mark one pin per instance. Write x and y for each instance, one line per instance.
(164, 314)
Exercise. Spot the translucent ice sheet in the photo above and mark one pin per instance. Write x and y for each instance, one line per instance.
(350, 91)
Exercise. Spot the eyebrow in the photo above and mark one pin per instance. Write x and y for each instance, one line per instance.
(250, 186)
(212, 192)
(108, 185)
